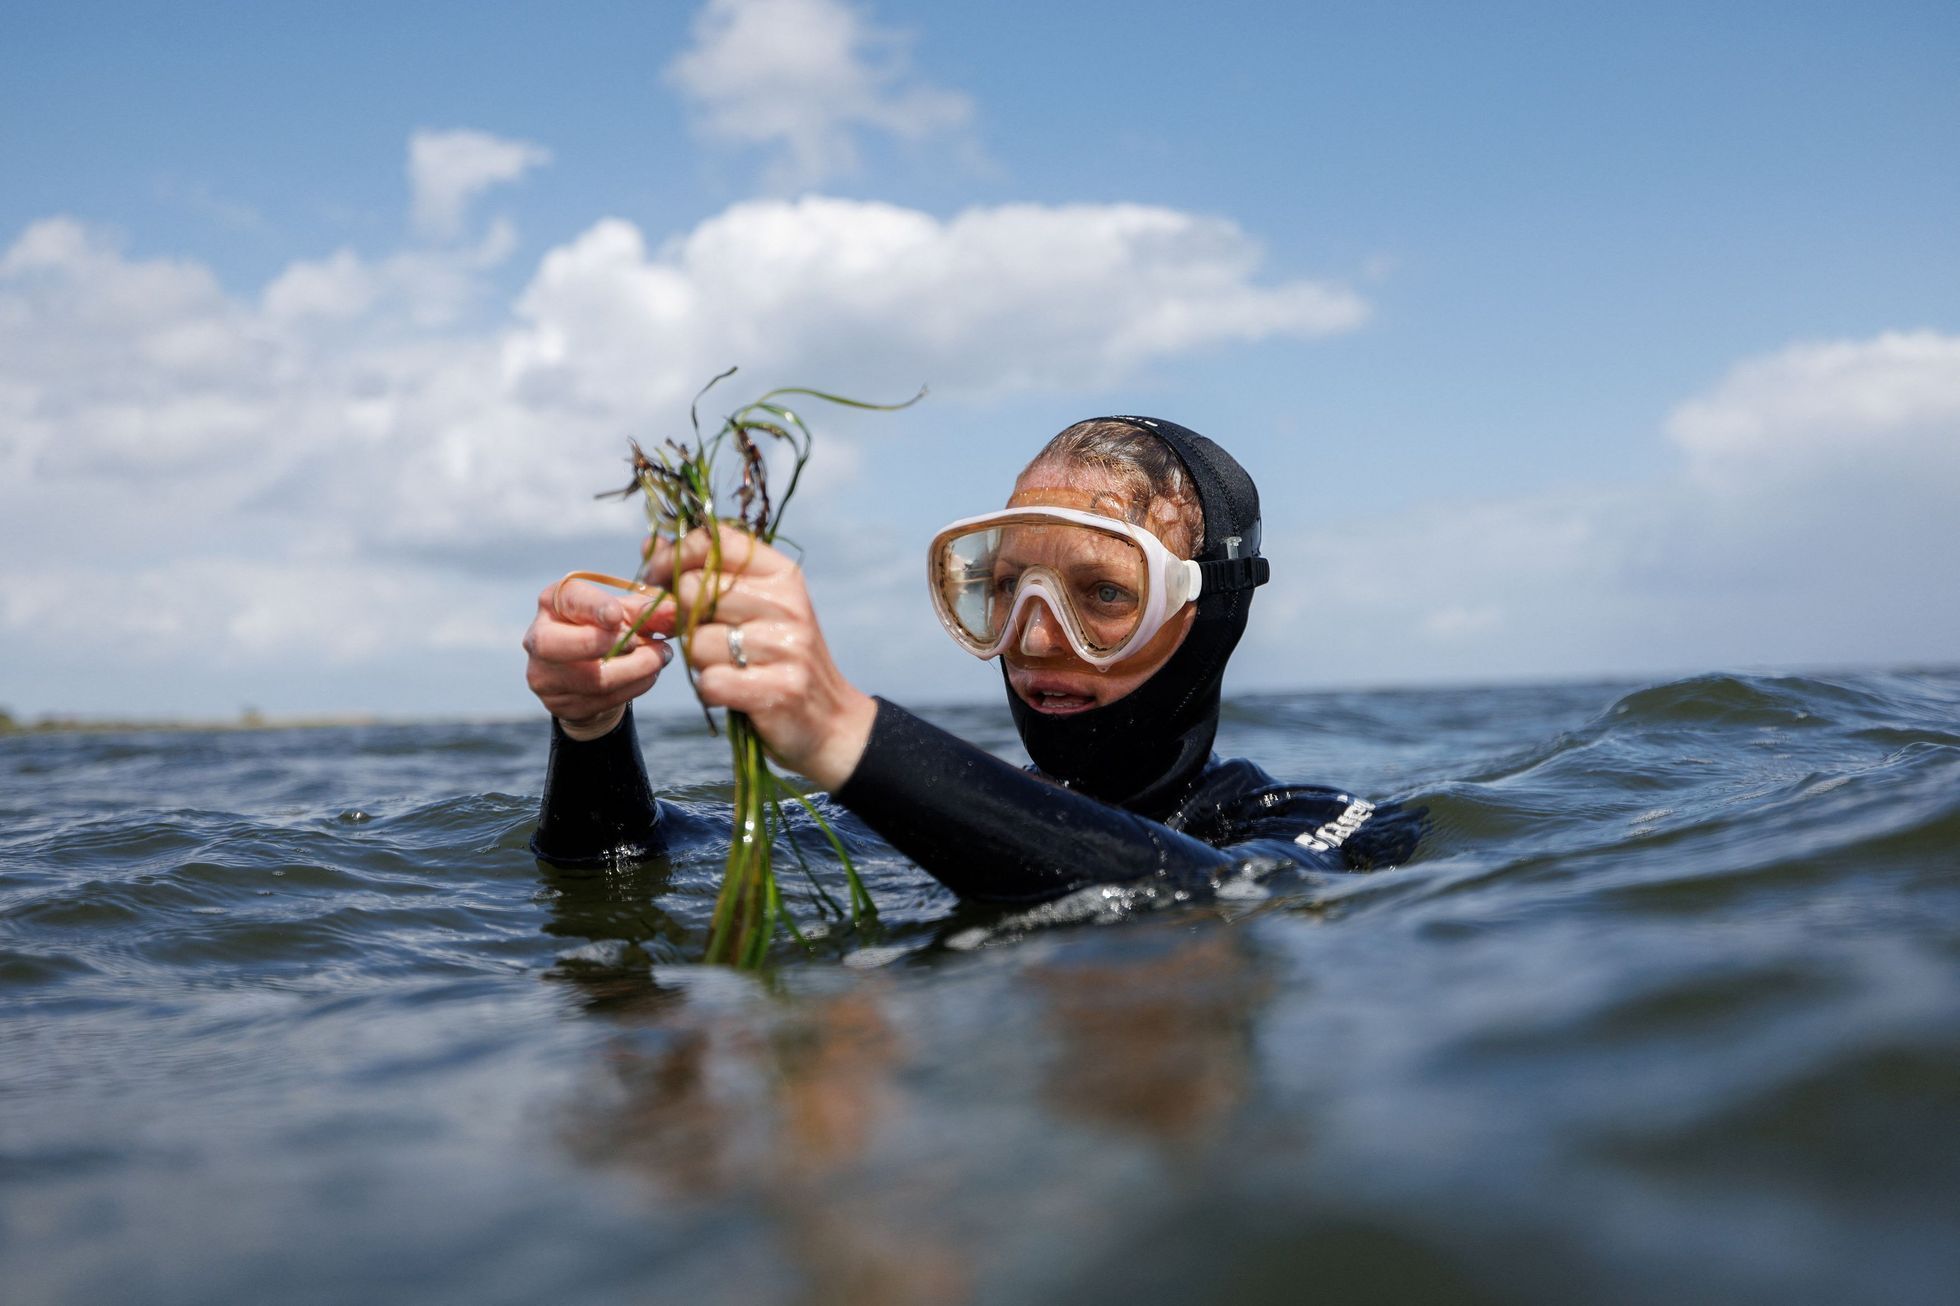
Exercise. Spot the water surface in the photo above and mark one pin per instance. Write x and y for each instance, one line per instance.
(1666, 1007)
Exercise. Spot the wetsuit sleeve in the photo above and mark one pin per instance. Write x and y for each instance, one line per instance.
(991, 832)
(598, 807)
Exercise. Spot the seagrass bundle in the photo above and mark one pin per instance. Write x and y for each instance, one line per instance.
(717, 480)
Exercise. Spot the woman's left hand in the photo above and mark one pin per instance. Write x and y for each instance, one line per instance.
(813, 720)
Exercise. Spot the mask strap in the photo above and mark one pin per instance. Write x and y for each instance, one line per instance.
(1233, 572)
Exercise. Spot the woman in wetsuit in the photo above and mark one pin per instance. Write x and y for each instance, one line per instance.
(1083, 586)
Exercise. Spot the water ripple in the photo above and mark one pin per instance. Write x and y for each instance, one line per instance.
(1664, 1007)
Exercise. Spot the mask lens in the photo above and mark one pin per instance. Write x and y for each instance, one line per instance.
(966, 582)
(1096, 580)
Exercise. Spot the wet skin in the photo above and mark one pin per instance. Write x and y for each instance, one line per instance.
(1042, 668)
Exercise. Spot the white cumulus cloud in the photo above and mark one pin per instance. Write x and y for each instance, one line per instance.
(374, 457)
(993, 300)
(805, 78)
(375, 462)
(1890, 403)
(1811, 522)
(447, 170)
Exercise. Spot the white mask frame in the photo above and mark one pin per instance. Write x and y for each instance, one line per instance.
(1170, 583)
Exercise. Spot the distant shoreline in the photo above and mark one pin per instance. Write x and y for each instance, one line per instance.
(60, 725)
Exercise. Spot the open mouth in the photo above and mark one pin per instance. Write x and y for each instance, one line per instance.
(1060, 704)
(1054, 700)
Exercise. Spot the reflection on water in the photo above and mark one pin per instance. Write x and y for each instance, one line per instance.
(786, 1117)
(799, 1105)
(1157, 1046)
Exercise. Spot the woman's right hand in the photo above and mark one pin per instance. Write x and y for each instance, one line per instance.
(576, 623)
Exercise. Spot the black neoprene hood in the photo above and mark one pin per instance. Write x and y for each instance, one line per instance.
(1144, 749)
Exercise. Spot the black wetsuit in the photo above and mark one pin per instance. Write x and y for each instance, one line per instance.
(993, 833)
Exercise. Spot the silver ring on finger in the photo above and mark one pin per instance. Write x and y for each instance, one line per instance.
(735, 653)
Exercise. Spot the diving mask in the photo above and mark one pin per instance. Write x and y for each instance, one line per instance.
(1108, 585)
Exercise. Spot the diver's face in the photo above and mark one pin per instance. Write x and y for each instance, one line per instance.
(1042, 668)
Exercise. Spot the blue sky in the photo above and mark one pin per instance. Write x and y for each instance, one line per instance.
(1562, 342)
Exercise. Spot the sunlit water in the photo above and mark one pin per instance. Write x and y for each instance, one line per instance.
(1667, 1007)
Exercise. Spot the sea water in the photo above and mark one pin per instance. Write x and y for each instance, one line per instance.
(1666, 1007)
